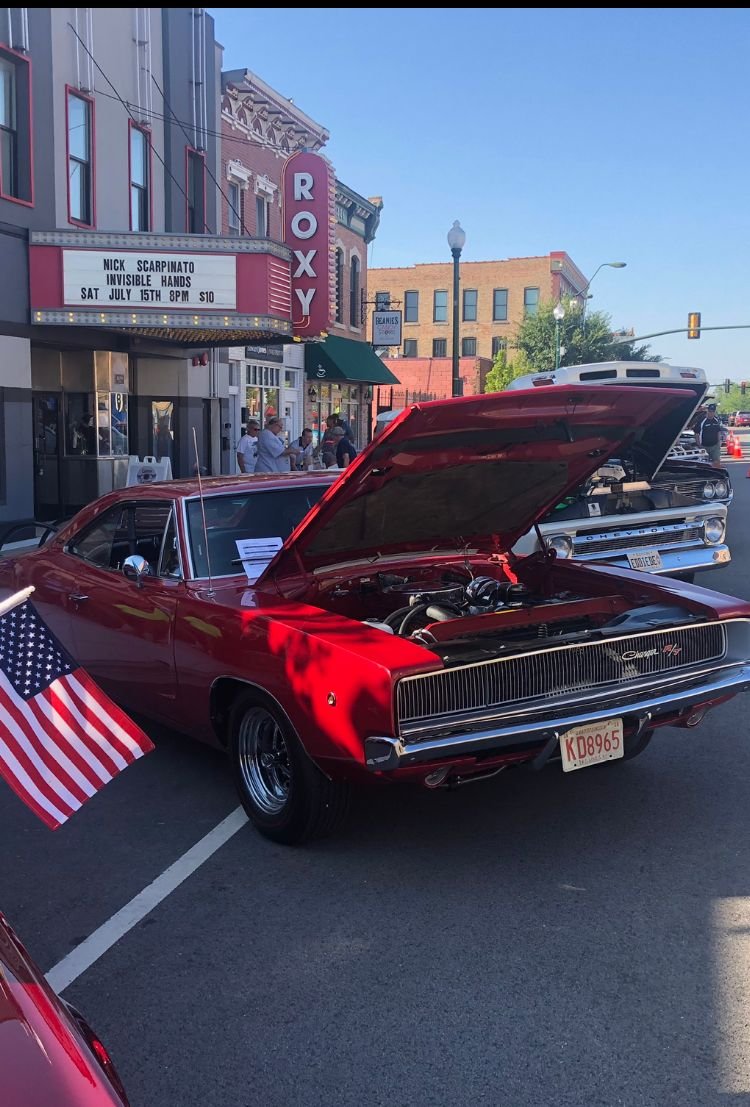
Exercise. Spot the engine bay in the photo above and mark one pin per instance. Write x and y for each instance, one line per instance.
(465, 614)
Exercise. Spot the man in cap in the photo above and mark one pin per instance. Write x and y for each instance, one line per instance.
(710, 434)
(247, 447)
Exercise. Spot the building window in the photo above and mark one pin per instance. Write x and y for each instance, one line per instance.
(440, 307)
(498, 344)
(261, 217)
(468, 347)
(355, 308)
(470, 305)
(15, 128)
(140, 179)
(196, 192)
(439, 347)
(382, 301)
(80, 159)
(500, 305)
(530, 301)
(411, 307)
(339, 285)
(410, 347)
(233, 208)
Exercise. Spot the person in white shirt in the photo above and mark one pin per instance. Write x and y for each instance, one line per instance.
(273, 455)
(247, 447)
(304, 458)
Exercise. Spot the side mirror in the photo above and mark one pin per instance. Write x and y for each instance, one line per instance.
(135, 568)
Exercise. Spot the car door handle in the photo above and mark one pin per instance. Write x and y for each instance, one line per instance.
(77, 597)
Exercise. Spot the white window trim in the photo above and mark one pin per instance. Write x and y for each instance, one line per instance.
(238, 174)
(265, 187)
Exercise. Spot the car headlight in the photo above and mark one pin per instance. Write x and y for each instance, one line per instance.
(562, 544)
(721, 489)
(713, 531)
(709, 491)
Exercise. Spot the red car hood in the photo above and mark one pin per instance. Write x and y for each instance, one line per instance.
(44, 1061)
(475, 472)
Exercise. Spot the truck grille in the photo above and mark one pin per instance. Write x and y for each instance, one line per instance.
(549, 674)
(655, 538)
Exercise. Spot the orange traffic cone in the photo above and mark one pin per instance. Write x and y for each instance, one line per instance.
(737, 448)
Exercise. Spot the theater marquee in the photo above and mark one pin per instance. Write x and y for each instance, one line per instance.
(96, 278)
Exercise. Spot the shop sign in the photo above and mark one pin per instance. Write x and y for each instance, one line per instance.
(125, 278)
(309, 221)
(386, 328)
(265, 353)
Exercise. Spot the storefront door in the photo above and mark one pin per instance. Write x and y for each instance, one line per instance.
(48, 448)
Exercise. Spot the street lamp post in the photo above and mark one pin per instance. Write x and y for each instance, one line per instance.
(456, 240)
(559, 313)
(607, 264)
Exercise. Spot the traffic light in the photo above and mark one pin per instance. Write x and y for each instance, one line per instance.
(743, 387)
(727, 385)
(694, 324)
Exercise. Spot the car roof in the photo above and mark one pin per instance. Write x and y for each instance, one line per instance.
(213, 486)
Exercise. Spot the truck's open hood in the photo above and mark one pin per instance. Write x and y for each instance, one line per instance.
(475, 472)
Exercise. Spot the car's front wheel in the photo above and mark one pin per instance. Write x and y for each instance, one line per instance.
(286, 797)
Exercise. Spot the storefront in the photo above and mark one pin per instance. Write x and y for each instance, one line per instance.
(341, 375)
(126, 358)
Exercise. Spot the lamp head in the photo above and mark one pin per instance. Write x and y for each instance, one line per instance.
(456, 236)
(559, 312)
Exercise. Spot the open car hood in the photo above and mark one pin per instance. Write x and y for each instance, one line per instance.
(473, 473)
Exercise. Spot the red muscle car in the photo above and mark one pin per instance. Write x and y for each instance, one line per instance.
(49, 1055)
(393, 635)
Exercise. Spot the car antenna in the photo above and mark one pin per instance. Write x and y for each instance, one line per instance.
(203, 513)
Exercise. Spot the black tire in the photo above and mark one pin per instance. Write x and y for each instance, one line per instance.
(689, 578)
(286, 797)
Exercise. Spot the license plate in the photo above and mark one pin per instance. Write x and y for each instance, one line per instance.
(588, 745)
(648, 560)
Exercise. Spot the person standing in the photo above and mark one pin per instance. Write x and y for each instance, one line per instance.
(305, 446)
(710, 434)
(273, 455)
(345, 448)
(247, 447)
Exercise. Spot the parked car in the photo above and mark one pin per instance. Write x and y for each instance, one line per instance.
(658, 506)
(742, 419)
(49, 1055)
(326, 628)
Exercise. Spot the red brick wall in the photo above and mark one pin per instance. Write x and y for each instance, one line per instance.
(237, 146)
(430, 378)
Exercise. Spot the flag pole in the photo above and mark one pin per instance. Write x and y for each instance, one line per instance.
(15, 600)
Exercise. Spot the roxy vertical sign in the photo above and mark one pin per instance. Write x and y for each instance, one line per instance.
(309, 220)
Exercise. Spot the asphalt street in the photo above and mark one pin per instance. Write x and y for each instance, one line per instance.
(534, 940)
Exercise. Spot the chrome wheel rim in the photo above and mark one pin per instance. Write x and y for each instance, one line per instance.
(264, 760)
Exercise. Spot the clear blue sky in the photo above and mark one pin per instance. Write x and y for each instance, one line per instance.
(615, 134)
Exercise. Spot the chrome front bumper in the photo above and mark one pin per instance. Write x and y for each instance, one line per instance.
(691, 559)
(387, 754)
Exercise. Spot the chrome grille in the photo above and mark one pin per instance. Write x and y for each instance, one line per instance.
(652, 537)
(549, 674)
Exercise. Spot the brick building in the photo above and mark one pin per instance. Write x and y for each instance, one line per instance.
(430, 378)
(494, 298)
(260, 129)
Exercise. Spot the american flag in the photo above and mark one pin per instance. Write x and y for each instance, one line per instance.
(61, 737)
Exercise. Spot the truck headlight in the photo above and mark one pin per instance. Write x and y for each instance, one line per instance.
(713, 531)
(709, 491)
(562, 544)
(721, 490)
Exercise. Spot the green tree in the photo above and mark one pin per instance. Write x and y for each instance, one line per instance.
(502, 372)
(582, 340)
(733, 400)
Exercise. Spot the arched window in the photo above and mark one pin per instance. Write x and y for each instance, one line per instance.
(355, 308)
(339, 285)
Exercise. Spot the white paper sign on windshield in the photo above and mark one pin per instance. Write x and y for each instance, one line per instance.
(256, 554)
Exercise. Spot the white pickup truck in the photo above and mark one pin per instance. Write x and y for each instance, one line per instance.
(656, 508)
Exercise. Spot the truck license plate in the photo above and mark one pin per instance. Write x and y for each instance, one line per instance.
(648, 560)
(590, 744)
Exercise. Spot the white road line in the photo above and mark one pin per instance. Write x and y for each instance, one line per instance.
(96, 945)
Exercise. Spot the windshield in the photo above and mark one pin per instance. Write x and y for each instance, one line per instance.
(232, 518)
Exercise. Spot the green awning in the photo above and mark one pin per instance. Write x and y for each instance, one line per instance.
(342, 359)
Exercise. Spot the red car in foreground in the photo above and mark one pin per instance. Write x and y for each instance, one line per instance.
(394, 635)
(49, 1055)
